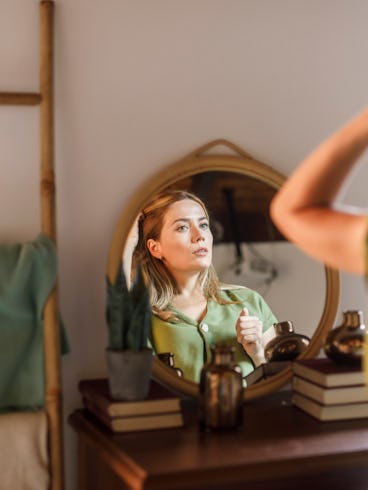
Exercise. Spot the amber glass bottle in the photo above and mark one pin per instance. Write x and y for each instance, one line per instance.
(345, 344)
(287, 345)
(221, 390)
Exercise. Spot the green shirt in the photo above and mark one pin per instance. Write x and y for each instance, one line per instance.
(190, 340)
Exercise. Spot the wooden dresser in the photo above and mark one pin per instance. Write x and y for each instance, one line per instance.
(278, 448)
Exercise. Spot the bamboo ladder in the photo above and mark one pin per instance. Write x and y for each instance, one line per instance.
(44, 99)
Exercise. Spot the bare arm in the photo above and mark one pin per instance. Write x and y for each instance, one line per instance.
(304, 208)
(127, 256)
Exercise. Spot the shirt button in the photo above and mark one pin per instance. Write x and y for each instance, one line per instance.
(204, 327)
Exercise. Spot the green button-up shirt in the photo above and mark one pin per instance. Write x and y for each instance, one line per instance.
(190, 340)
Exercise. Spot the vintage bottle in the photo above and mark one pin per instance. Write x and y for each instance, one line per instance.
(345, 344)
(168, 358)
(221, 390)
(287, 345)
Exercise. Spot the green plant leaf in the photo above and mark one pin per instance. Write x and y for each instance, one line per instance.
(113, 315)
(140, 323)
(141, 312)
(128, 312)
(139, 286)
(118, 311)
(127, 309)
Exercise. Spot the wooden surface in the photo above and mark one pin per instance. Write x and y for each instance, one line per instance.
(278, 447)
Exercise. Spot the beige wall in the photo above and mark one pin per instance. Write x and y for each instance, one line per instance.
(141, 83)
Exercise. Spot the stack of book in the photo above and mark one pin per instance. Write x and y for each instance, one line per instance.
(161, 409)
(329, 391)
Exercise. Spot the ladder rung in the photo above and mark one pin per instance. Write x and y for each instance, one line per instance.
(19, 98)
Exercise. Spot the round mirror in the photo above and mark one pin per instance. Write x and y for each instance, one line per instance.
(248, 250)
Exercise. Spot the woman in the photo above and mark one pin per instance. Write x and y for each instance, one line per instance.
(305, 208)
(191, 310)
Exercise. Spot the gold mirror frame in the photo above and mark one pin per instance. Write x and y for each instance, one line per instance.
(202, 161)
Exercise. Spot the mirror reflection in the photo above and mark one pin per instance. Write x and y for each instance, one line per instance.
(192, 310)
(246, 251)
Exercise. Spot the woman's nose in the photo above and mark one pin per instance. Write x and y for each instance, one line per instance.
(197, 234)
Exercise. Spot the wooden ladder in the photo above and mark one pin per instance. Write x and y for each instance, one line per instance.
(44, 100)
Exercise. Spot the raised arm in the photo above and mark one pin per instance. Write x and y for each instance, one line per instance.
(127, 256)
(305, 211)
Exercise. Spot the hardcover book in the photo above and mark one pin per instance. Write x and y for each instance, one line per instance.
(129, 423)
(265, 370)
(342, 411)
(159, 399)
(330, 396)
(327, 373)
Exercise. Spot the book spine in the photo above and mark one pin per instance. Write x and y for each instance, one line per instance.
(99, 401)
(329, 375)
(309, 389)
(97, 412)
(330, 396)
(131, 423)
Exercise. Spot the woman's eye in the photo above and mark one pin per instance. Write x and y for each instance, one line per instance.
(204, 226)
(182, 228)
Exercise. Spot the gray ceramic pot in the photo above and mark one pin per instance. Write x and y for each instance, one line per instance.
(129, 373)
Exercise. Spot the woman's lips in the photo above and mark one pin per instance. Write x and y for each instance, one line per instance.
(201, 251)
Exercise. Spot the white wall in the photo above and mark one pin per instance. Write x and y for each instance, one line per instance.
(141, 83)
(299, 281)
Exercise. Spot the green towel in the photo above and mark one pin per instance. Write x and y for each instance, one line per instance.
(27, 276)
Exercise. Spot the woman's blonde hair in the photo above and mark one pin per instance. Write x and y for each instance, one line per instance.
(162, 284)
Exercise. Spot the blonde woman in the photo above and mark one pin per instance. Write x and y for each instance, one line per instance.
(191, 309)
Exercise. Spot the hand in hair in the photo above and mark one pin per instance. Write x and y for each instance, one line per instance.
(130, 244)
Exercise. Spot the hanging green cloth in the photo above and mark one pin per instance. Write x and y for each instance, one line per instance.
(27, 276)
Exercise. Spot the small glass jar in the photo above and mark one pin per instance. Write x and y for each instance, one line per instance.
(345, 344)
(168, 358)
(287, 345)
(221, 390)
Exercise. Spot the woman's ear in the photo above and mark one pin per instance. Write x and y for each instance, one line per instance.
(154, 248)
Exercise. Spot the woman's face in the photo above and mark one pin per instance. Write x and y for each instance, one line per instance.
(185, 243)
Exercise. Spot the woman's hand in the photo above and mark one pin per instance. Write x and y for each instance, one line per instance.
(249, 331)
(130, 244)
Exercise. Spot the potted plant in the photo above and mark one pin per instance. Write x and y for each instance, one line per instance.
(128, 316)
